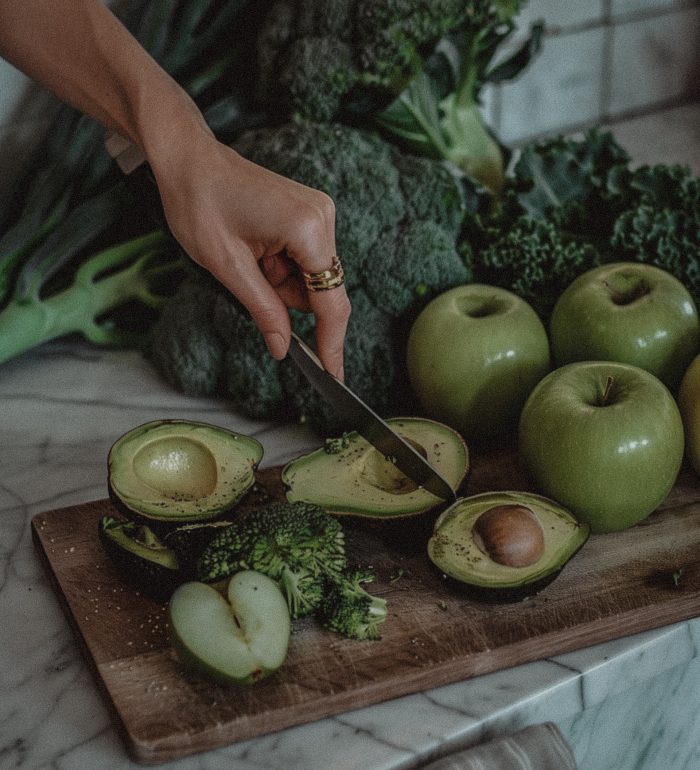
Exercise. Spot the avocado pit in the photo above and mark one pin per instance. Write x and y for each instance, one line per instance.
(180, 469)
(509, 534)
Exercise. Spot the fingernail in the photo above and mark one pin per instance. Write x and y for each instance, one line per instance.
(276, 345)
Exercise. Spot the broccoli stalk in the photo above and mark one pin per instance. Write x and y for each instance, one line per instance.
(348, 609)
(103, 282)
(438, 113)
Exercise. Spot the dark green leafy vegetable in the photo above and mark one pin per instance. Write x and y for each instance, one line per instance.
(573, 203)
(663, 226)
(411, 67)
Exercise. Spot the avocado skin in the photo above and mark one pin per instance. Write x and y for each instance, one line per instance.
(153, 579)
(189, 540)
(164, 527)
(500, 595)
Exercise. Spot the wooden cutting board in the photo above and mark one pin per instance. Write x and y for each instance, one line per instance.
(616, 585)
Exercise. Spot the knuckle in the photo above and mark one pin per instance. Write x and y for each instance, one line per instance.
(315, 218)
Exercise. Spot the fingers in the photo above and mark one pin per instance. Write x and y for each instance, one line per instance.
(313, 249)
(242, 276)
(332, 311)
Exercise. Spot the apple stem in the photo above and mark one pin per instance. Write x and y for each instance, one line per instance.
(608, 390)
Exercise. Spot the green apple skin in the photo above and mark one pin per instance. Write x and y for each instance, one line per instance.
(689, 405)
(627, 312)
(612, 460)
(474, 354)
(237, 639)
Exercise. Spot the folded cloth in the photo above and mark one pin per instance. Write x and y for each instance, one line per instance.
(540, 747)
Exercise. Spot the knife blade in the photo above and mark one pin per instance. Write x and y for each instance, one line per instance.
(352, 409)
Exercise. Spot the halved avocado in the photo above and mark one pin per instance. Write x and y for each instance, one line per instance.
(349, 477)
(504, 546)
(140, 557)
(172, 472)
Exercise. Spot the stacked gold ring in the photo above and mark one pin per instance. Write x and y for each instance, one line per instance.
(325, 279)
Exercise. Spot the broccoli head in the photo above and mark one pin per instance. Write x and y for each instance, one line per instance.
(297, 544)
(328, 55)
(348, 609)
(370, 368)
(397, 225)
(184, 344)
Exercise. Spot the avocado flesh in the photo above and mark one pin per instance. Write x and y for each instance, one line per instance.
(454, 551)
(354, 478)
(180, 471)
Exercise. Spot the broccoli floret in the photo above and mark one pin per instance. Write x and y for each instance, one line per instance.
(298, 544)
(328, 55)
(663, 228)
(250, 376)
(348, 609)
(420, 260)
(533, 259)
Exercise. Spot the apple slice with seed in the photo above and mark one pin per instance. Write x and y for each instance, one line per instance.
(240, 638)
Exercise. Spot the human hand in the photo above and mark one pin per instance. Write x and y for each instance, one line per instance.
(255, 231)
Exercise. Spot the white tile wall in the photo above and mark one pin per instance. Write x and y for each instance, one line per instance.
(600, 61)
(560, 88)
(562, 14)
(654, 60)
(621, 8)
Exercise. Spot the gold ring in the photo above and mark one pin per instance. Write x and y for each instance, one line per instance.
(325, 279)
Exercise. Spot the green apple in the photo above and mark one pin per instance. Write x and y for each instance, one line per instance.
(474, 354)
(236, 639)
(627, 312)
(603, 439)
(689, 404)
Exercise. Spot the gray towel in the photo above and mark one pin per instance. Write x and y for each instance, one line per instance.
(540, 747)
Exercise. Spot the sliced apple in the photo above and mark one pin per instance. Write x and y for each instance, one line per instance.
(239, 639)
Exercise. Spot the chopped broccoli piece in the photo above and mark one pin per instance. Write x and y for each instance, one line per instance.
(297, 544)
(348, 609)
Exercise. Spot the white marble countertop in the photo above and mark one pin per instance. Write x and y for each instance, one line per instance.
(61, 407)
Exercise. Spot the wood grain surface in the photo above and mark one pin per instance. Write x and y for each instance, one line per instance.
(618, 584)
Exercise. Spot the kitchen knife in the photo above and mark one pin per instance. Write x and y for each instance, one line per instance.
(367, 423)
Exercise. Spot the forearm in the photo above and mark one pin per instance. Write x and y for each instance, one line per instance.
(80, 51)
